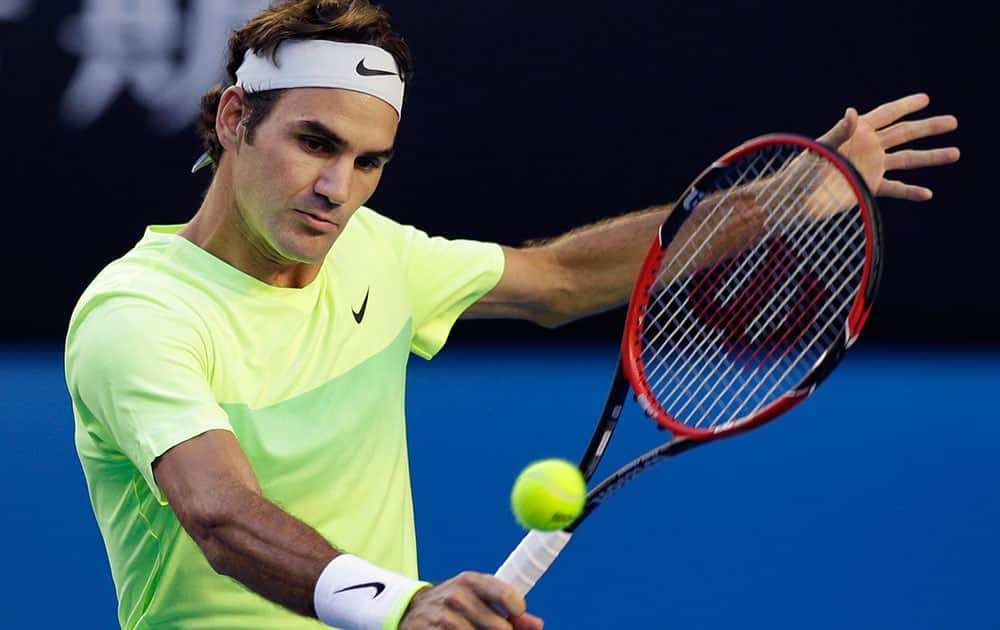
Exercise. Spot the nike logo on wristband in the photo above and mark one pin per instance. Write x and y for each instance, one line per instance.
(371, 72)
(378, 586)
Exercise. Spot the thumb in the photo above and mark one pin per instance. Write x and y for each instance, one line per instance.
(842, 131)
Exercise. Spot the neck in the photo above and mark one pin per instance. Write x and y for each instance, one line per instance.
(219, 229)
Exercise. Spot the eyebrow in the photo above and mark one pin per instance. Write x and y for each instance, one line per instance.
(317, 128)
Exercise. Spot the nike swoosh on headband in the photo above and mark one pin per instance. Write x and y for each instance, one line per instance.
(372, 72)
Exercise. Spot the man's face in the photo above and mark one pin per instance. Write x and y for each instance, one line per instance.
(313, 161)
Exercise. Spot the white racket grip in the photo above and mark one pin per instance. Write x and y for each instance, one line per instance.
(531, 558)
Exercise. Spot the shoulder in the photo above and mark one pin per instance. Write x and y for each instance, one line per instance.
(406, 241)
(147, 283)
(134, 308)
(367, 225)
(371, 237)
(121, 331)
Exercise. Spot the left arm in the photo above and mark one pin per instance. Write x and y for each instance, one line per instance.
(592, 269)
(585, 271)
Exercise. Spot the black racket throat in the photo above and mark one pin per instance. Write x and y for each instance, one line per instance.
(616, 480)
(606, 425)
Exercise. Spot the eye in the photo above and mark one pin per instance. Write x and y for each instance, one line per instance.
(312, 144)
(368, 163)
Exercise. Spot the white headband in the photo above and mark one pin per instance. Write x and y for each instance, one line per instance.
(321, 63)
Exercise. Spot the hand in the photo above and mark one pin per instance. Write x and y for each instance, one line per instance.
(469, 601)
(865, 141)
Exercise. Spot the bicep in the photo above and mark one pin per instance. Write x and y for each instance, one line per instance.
(201, 475)
(530, 285)
(138, 377)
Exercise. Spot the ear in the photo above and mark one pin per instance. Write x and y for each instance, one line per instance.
(232, 107)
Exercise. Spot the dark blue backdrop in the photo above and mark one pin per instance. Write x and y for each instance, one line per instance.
(871, 506)
(525, 119)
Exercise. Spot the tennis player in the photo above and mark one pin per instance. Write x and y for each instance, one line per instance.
(237, 381)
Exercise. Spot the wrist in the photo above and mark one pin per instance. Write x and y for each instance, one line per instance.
(355, 594)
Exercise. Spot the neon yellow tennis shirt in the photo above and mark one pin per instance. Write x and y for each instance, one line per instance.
(169, 342)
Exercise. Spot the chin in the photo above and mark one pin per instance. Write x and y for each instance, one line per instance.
(307, 255)
(303, 247)
(304, 257)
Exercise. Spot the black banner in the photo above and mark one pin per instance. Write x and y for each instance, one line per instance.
(525, 119)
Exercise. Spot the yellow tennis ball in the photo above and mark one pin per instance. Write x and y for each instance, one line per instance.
(548, 495)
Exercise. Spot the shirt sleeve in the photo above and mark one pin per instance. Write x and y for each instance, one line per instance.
(139, 374)
(445, 277)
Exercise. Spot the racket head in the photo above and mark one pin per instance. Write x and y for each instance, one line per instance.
(759, 281)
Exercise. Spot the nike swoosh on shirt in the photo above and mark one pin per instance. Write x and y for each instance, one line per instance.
(360, 314)
(371, 72)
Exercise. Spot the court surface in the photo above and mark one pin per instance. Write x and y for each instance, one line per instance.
(873, 505)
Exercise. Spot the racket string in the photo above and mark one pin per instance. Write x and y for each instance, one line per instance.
(798, 360)
(740, 356)
(753, 259)
(769, 289)
(751, 172)
(736, 376)
(732, 278)
(775, 310)
(705, 237)
(805, 366)
(686, 279)
(701, 291)
(732, 371)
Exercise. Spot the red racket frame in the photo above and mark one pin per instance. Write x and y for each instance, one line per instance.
(631, 349)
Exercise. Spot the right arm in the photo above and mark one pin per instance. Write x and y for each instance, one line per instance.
(138, 370)
(216, 496)
(217, 499)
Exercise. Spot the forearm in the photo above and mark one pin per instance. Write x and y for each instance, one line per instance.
(216, 497)
(593, 268)
(263, 547)
(600, 262)
(597, 264)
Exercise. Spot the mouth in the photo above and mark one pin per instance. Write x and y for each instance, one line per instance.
(316, 221)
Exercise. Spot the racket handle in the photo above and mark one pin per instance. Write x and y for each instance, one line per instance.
(531, 558)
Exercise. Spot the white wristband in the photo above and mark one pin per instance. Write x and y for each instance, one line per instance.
(354, 594)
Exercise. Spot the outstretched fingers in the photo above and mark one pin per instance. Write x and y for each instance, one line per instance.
(914, 158)
(900, 190)
(911, 130)
(866, 141)
(890, 112)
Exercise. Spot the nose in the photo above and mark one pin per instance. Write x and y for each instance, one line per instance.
(334, 181)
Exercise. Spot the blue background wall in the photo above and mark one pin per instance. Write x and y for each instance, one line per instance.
(872, 505)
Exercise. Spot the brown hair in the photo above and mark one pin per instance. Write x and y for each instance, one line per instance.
(350, 21)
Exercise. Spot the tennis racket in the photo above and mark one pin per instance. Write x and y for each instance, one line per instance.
(759, 280)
